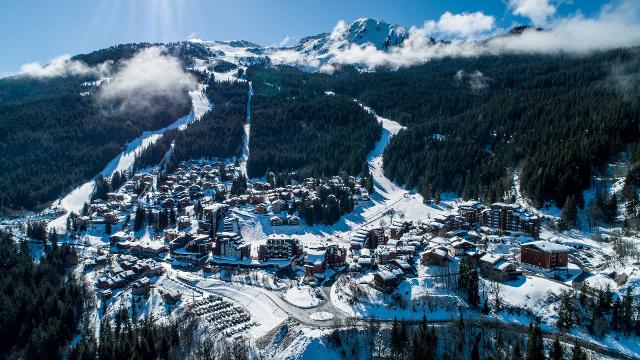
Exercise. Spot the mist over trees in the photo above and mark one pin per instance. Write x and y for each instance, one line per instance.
(217, 134)
(52, 138)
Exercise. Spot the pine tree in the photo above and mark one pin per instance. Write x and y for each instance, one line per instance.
(517, 352)
(566, 311)
(577, 353)
(475, 353)
(396, 343)
(139, 219)
(556, 351)
(473, 291)
(403, 337)
(569, 216)
(535, 346)
(627, 311)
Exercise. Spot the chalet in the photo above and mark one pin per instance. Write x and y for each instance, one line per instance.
(231, 245)
(278, 205)
(403, 265)
(184, 222)
(399, 228)
(170, 235)
(544, 256)
(460, 247)
(172, 297)
(471, 211)
(147, 248)
(276, 221)
(374, 238)
(315, 262)
(451, 222)
(293, 220)
(497, 267)
(364, 259)
(261, 208)
(437, 256)
(140, 287)
(387, 278)
(335, 255)
(120, 237)
(105, 294)
(383, 254)
(358, 239)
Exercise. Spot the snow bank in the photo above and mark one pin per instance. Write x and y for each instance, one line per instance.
(303, 297)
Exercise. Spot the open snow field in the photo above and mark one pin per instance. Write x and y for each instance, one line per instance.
(302, 296)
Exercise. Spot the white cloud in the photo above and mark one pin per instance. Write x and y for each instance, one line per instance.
(465, 24)
(151, 72)
(476, 80)
(288, 41)
(615, 26)
(61, 65)
(536, 10)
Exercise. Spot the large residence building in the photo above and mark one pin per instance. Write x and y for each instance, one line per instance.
(510, 217)
(280, 247)
(544, 256)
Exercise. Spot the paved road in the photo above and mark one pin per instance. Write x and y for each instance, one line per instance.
(340, 318)
(241, 293)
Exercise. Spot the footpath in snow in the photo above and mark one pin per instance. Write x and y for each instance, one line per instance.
(247, 133)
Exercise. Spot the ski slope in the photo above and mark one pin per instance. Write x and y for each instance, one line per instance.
(75, 200)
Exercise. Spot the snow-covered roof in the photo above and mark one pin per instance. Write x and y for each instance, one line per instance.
(491, 258)
(547, 246)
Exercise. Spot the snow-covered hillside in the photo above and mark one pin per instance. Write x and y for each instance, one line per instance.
(360, 32)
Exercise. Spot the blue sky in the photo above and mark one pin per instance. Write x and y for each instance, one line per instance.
(38, 30)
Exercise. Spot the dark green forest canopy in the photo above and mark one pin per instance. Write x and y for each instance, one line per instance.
(52, 138)
(217, 134)
(296, 126)
(41, 303)
(472, 121)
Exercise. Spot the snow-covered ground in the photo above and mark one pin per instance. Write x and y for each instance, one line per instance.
(302, 296)
(321, 315)
(247, 133)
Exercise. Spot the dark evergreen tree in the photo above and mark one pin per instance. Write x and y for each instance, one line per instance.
(557, 352)
(577, 353)
(535, 346)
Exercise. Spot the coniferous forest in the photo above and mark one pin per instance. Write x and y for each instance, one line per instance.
(41, 303)
(217, 134)
(52, 138)
(295, 126)
(471, 122)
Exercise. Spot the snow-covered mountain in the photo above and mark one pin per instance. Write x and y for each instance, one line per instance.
(360, 32)
(313, 51)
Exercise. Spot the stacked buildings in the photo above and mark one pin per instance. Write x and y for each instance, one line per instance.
(506, 217)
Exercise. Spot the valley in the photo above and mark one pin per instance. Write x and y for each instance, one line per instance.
(485, 202)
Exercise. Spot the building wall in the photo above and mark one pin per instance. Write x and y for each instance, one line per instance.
(533, 256)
